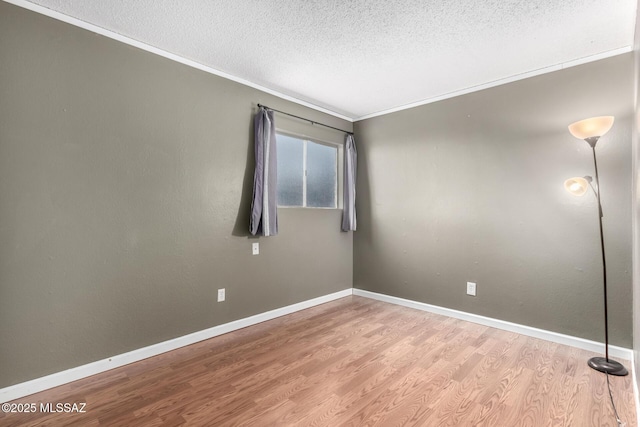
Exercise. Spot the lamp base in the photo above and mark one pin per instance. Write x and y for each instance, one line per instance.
(609, 366)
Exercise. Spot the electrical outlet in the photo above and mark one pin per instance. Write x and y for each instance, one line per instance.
(471, 289)
(255, 248)
(221, 295)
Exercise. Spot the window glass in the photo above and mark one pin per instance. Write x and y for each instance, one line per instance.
(290, 171)
(321, 175)
(307, 173)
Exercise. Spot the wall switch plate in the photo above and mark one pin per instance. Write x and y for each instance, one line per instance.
(471, 289)
(221, 295)
(255, 248)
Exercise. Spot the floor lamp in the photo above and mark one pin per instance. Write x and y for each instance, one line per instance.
(591, 130)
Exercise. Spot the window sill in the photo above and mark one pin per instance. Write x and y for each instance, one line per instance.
(309, 207)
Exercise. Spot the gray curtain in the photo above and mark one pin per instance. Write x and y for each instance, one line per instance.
(350, 168)
(264, 205)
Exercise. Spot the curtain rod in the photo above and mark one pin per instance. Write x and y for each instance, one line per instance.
(313, 122)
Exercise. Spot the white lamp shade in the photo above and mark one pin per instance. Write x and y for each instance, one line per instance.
(595, 126)
(576, 186)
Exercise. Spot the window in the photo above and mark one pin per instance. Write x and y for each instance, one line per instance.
(307, 173)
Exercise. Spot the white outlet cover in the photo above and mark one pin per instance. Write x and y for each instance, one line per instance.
(471, 288)
(255, 248)
(221, 295)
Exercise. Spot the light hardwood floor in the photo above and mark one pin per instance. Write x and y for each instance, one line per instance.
(351, 362)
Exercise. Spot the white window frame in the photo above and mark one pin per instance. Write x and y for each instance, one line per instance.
(339, 170)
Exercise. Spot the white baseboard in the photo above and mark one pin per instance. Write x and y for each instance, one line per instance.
(598, 347)
(59, 378)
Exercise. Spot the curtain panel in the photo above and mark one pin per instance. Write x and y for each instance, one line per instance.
(264, 205)
(349, 189)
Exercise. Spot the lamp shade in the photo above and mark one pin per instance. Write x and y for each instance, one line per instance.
(576, 186)
(588, 128)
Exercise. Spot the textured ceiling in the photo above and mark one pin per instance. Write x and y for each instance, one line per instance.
(361, 57)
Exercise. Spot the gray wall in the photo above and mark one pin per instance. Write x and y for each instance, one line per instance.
(125, 184)
(471, 189)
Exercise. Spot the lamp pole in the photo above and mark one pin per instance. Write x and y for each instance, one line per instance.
(599, 363)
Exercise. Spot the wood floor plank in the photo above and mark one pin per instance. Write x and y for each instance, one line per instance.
(350, 362)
